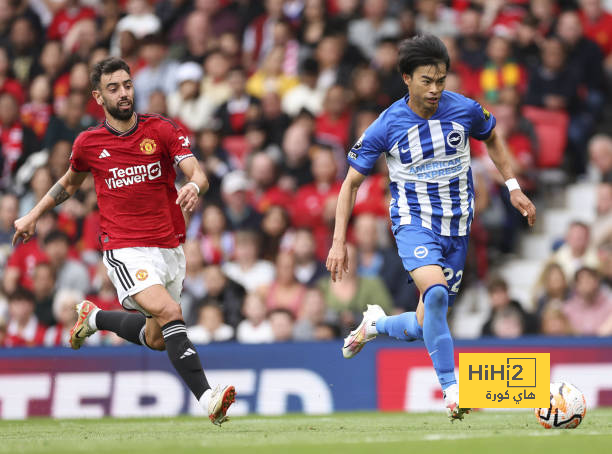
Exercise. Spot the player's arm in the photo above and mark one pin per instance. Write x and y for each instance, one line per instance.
(337, 260)
(65, 187)
(197, 183)
(499, 155)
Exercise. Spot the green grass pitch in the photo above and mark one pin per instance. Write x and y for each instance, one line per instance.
(425, 433)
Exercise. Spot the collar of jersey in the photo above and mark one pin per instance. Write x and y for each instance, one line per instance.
(129, 132)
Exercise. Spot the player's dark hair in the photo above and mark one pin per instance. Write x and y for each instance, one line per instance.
(107, 66)
(422, 50)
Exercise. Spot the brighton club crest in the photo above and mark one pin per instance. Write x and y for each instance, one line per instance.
(148, 146)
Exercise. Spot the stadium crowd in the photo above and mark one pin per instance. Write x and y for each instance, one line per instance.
(272, 94)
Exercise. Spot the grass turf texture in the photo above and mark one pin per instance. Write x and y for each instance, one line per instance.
(480, 432)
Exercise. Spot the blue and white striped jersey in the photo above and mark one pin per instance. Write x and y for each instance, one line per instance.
(429, 161)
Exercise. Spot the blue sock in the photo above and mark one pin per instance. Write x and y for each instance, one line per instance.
(436, 334)
(403, 327)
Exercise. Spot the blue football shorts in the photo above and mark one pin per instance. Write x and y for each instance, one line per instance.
(418, 246)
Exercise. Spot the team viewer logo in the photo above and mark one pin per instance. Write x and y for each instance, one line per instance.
(141, 275)
(148, 146)
(420, 252)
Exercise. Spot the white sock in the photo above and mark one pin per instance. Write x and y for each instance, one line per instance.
(205, 399)
(91, 321)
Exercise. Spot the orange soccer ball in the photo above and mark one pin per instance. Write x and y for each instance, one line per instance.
(567, 407)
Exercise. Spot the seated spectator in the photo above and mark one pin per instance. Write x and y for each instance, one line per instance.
(295, 166)
(385, 62)
(275, 230)
(140, 20)
(308, 269)
(188, 103)
(66, 17)
(216, 243)
(314, 313)
(240, 215)
(216, 160)
(435, 18)
(575, 252)
(597, 26)
(285, 292)
(305, 95)
(246, 268)
(265, 190)
(590, 308)
(255, 328)
(333, 123)
(215, 85)
(7, 83)
(374, 25)
(604, 253)
(500, 70)
(210, 327)
(59, 159)
(326, 332)
(240, 107)
(281, 322)
(23, 328)
(37, 113)
(70, 273)
(350, 296)
(271, 77)
(471, 42)
(17, 141)
(553, 320)
(71, 123)
(600, 155)
(44, 292)
(39, 185)
(194, 286)
(526, 41)
(9, 208)
(551, 288)
(274, 119)
(602, 226)
(504, 311)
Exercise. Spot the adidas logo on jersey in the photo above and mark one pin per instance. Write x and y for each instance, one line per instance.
(104, 154)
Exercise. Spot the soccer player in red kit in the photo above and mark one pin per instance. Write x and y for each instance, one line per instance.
(131, 157)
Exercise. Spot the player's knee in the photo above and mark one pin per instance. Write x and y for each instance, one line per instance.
(157, 344)
(436, 299)
(170, 313)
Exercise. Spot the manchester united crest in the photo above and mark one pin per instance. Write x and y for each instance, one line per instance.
(141, 275)
(148, 146)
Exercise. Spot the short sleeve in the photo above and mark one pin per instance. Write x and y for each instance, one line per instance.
(368, 148)
(178, 143)
(78, 163)
(483, 121)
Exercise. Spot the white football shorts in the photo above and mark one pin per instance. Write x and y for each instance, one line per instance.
(133, 269)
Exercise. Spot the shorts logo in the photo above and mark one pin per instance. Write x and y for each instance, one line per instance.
(455, 138)
(141, 275)
(148, 146)
(420, 252)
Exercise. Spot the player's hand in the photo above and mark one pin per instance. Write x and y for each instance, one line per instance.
(187, 197)
(337, 261)
(25, 228)
(522, 203)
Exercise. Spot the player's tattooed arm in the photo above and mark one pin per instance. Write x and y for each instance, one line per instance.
(59, 193)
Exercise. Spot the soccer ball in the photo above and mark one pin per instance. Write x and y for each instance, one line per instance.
(567, 407)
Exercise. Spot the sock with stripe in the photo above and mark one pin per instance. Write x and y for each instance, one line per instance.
(130, 327)
(436, 334)
(403, 326)
(184, 357)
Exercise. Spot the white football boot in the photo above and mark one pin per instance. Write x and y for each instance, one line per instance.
(81, 329)
(221, 398)
(354, 342)
(451, 400)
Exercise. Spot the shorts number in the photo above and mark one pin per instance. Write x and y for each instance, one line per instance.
(185, 141)
(448, 275)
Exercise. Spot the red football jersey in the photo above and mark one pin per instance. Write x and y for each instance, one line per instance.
(134, 177)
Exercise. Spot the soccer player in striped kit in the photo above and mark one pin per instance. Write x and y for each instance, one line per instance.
(424, 137)
(132, 157)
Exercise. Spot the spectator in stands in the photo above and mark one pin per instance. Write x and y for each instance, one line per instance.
(500, 70)
(334, 121)
(308, 270)
(82, 38)
(52, 64)
(255, 328)
(434, 18)
(247, 269)
(349, 297)
(575, 252)
(312, 25)
(305, 95)
(215, 242)
(24, 47)
(197, 31)
(275, 230)
(329, 59)
(139, 20)
(211, 326)
(375, 261)
(310, 207)
(215, 85)
(600, 154)
(295, 166)
(591, 305)
(43, 289)
(597, 26)
(285, 292)
(314, 313)
(274, 119)
(39, 185)
(372, 26)
(602, 226)
(526, 41)
(471, 42)
(159, 72)
(23, 328)
(70, 273)
(282, 323)
(240, 107)
(604, 253)
(188, 103)
(240, 215)
(9, 209)
(73, 121)
(554, 322)
(270, 76)
(65, 18)
(63, 311)
(365, 86)
(17, 141)
(263, 173)
(385, 62)
(59, 159)
(551, 288)
(37, 113)
(217, 162)
(507, 316)
(8, 84)
(259, 35)
(194, 287)
(19, 269)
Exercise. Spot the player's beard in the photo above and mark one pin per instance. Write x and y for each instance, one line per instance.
(117, 113)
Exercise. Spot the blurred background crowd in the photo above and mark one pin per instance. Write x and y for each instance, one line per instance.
(273, 93)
